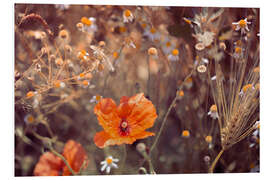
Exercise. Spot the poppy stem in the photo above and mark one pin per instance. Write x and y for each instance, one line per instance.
(63, 158)
(124, 158)
(148, 80)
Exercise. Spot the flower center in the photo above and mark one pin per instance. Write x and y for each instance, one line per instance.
(127, 13)
(175, 52)
(242, 23)
(109, 160)
(213, 108)
(124, 128)
(153, 30)
(86, 21)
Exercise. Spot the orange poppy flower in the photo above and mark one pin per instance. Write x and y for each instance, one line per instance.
(48, 165)
(125, 123)
(75, 156)
(51, 165)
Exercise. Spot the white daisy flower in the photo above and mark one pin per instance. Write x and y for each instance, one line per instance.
(213, 112)
(242, 24)
(152, 34)
(89, 24)
(127, 16)
(29, 119)
(95, 99)
(167, 46)
(174, 55)
(109, 163)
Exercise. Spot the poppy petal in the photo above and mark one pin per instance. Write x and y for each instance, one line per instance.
(48, 165)
(103, 139)
(107, 116)
(75, 156)
(143, 114)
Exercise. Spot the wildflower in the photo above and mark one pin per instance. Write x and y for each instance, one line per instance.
(188, 21)
(30, 94)
(75, 155)
(189, 83)
(85, 83)
(181, 94)
(115, 55)
(213, 112)
(174, 55)
(185, 133)
(129, 42)
(59, 61)
(208, 139)
(167, 47)
(152, 34)
(125, 123)
(59, 84)
(48, 165)
(246, 88)
(109, 163)
(87, 25)
(95, 99)
(83, 55)
(238, 52)
(127, 16)
(29, 119)
(206, 159)
(242, 24)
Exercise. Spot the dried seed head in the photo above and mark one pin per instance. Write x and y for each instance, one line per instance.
(222, 45)
(199, 46)
(201, 68)
(59, 61)
(100, 67)
(63, 34)
(79, 26)
(68, 48)
(89, 76)
(52, 57)
(152, 51)
(101, 44)
(141, 147)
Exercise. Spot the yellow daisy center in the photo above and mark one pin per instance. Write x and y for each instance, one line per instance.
(127, 13)
(208, 139)
(242, 23)
(238, 50)
(168, 44)
(109, 160)
(153, 30)
(213, 108)
(181, 93)
(86, 21)
(175, 52)
(30, 94)
(185, 133)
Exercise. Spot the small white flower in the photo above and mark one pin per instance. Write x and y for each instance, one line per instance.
(152, 34)
(174, 55)
(29, 119)
(213, 112)
(109, 163)
(206, 38)
(167, 46)
(95, 99)
(242, 24)
(89, 24)
(127, 16)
